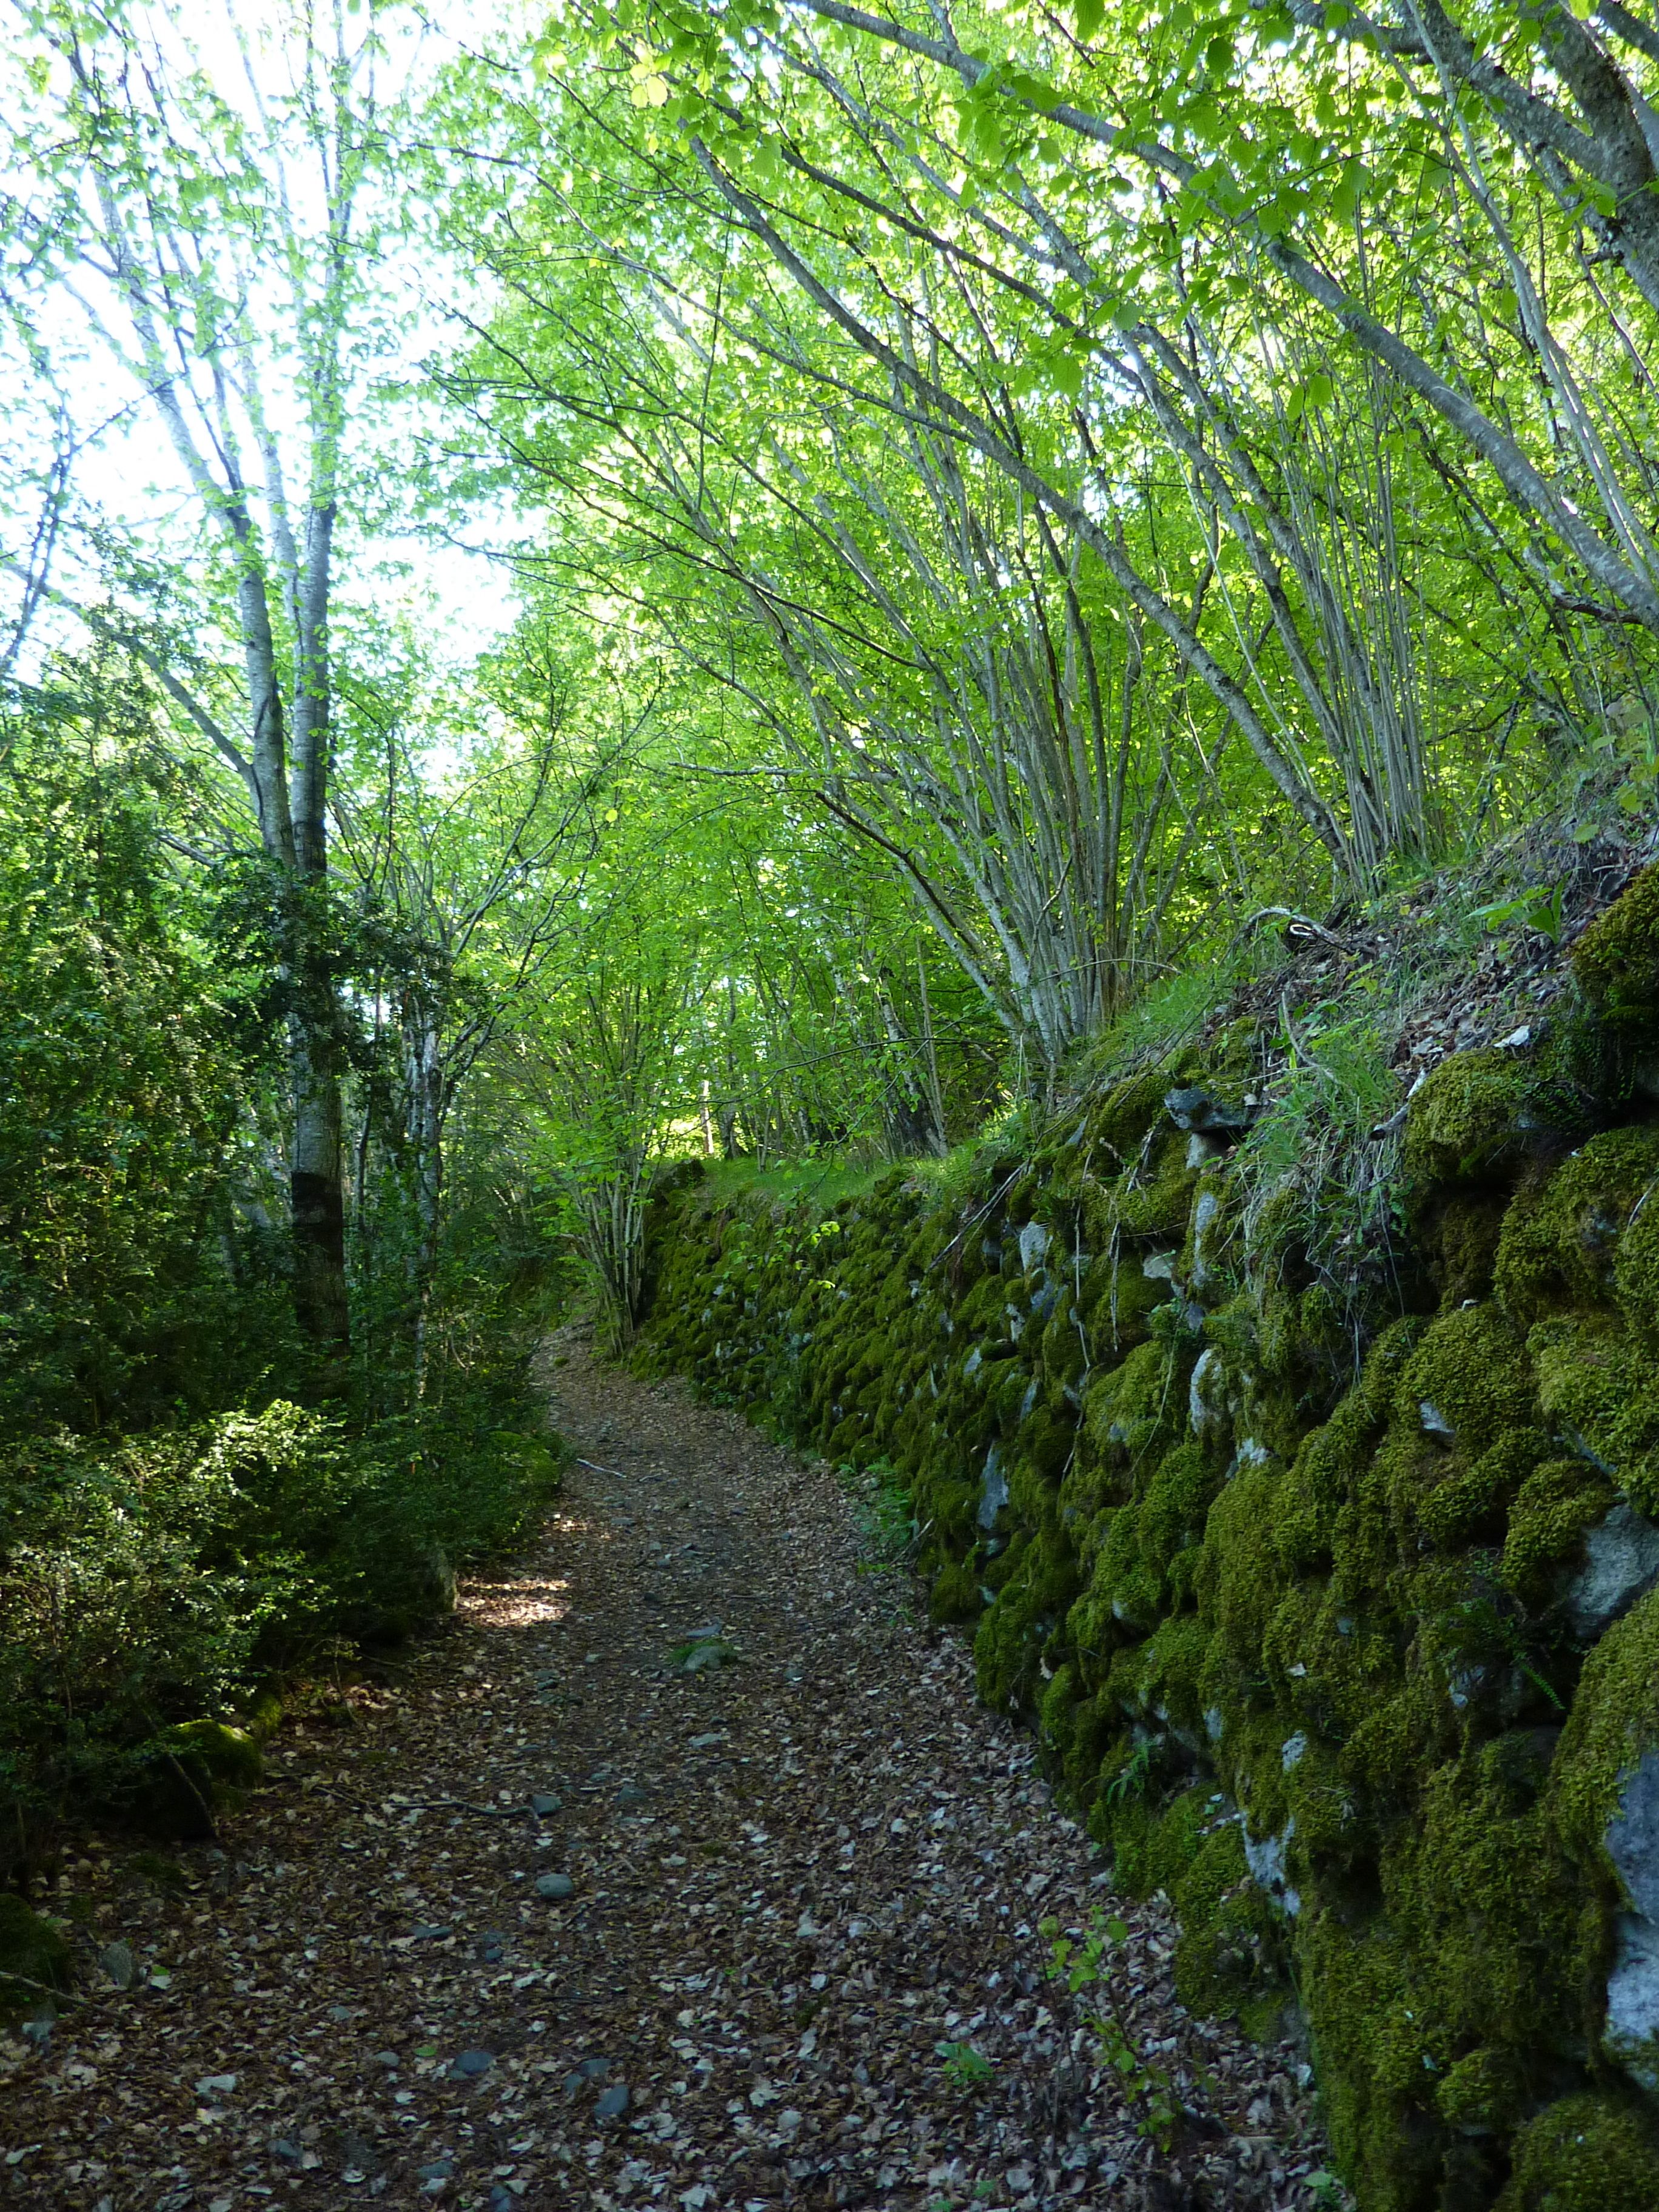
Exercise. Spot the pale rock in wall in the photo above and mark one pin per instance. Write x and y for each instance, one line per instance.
(1621, 1564)
(1631, 2034)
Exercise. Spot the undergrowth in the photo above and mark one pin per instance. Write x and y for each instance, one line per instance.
(151, 1586)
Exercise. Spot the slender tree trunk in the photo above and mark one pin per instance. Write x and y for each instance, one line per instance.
(426, 1099)
(316, 1188)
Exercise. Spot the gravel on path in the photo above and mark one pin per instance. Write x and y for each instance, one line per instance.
(682, 1869)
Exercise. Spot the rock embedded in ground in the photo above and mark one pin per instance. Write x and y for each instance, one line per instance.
(118, 1964)
(555, 1886)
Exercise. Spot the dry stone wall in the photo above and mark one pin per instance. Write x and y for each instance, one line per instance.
(1336, 1604)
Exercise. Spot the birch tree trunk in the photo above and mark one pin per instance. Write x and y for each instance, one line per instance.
(169, 274)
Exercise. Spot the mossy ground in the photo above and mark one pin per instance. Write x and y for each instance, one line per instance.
(34, 1959)
(1299, 1656)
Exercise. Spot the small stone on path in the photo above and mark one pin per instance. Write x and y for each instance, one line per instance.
(118, 1963)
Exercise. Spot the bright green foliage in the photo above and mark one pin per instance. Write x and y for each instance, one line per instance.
(177, 1531)
(1086, 1971)
(120, 1085)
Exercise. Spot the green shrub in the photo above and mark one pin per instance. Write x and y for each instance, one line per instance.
(149, 1583)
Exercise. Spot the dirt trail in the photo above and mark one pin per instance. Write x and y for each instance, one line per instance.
(793, 1875)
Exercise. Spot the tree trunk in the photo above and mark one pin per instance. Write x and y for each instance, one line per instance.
(317, 1192)
(426, 1130)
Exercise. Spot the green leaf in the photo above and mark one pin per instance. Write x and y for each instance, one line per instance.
(1066, 371)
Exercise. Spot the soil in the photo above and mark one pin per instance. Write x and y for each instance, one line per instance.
(807, 1879)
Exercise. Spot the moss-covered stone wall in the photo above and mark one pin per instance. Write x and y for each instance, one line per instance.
(1359, 1664)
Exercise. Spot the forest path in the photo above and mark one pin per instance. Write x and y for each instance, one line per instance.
(792, 1876)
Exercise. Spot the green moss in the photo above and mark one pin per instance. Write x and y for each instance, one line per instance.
(1240, 1579)
(1153, 1199)
(31, 1949)
(1369, 2050)
(1593, 2153)
(1560, 1243)
(1601, 1392)
(1459, 1236)
(1559, 1501)
(1172, 1511)
(1158, 1842)
(1467, 1504)
(1481, 1115)
(1056, 1714)
(1614, 1720)
(1031, 1602)
(1119, 1298)
(1128, 1410)
(1060, 1349)
(1617, 958)
(1133, 1589)
(955, 1594)
(1230, 1956)
(1167, 1671)
(1470, 1367)
(948, 1505)
(229, 1756)
(1481, 2093)
(1044, 1441)
(1118, 1124)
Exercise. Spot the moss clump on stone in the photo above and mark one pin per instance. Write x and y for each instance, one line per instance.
(1459, 1236)
(1031, 1600)
(1481, 1115)
(1593, 2152)
(1230, 1956)
(1617, 958)
(1600, 1390)
(1466, 1430)
(955, 1594)
(1559, 1501)
(1561, 1244)
(1614, 1720)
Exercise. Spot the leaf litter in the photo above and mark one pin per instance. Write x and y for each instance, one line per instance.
(557, 1919)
